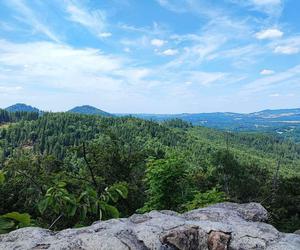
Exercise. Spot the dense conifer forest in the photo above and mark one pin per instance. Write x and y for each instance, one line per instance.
(60, 170)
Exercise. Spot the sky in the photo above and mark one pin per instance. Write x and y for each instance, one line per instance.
(151, 56)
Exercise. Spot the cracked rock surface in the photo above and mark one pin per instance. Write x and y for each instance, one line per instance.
(219, 227)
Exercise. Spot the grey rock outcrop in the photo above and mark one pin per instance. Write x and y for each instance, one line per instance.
(218, 227)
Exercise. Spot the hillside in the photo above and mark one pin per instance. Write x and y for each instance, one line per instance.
(88, 110)
(285, 122)
(21, 107)
(132, 164)
(263, 120)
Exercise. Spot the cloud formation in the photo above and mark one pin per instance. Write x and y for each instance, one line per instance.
(180, 56)
(269, 34)
(94, 21)
(267, 72)
(27, 15)
(288, 50)
(170, 52)
(158, 42)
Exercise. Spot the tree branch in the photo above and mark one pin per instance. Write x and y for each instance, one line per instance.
(89, 166)
(53, 223)
(31, 179)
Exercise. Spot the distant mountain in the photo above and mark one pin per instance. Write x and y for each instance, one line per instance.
(268, 113)
(21, 107)
(262, 120)
(89, 110)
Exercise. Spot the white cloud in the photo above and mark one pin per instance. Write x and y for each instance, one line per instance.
(32, 18)
(288, 50)
(204, 78)
(94, 21)
(174, 6)
(9, 89)
(158, 42)
(267, 72)
(134, 75)
(266, 2)
(50, 65)
(269, 34)
(288, 46)
(105, 34)
(204, 9)
(140, 42)
(170, 52)
(274, 95)
(239, 57)
(273, 8)
(272, 80)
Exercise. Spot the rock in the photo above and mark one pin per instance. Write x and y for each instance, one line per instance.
(186, 238)
(218, 227)
(218, 240)
(297, 231)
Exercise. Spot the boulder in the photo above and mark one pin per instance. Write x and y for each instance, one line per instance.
(218, 227)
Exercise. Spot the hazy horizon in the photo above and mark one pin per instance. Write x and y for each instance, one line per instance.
(158, 56)
(67, 109)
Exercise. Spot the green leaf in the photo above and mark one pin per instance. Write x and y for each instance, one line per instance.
(2, 177)
(83, 212)
(23, 219)
(100, 214)
(61, 184)
(113, 195)
(43, 204)
(72, 210)
(6, 225)
(123, 191)
(117, 190)
(112, 211)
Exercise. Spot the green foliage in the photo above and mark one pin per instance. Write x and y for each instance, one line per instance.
(69, 170)
(177, 123)
(2, 177)
(6, 116)
(13, 220)
(59, 200)
(90, 203)
(166, 183)
(207, 198)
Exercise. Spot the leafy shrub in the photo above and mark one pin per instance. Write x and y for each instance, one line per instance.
(210, 197)
(12, 221)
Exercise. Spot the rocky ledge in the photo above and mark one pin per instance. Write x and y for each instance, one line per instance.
(221, 226)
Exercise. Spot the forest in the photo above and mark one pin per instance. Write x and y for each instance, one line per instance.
(61, 170)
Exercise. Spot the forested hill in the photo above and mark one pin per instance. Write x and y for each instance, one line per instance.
(79, 167)
(284, 122)
(88, 110)
(21, 107)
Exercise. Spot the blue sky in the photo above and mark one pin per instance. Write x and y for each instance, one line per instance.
(151, 56)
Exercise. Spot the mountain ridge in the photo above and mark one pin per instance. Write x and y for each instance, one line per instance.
(293, 110)
(277, 120)
(88, 110)
(21, 107)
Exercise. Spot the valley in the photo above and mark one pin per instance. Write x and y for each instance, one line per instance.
(73, 166)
